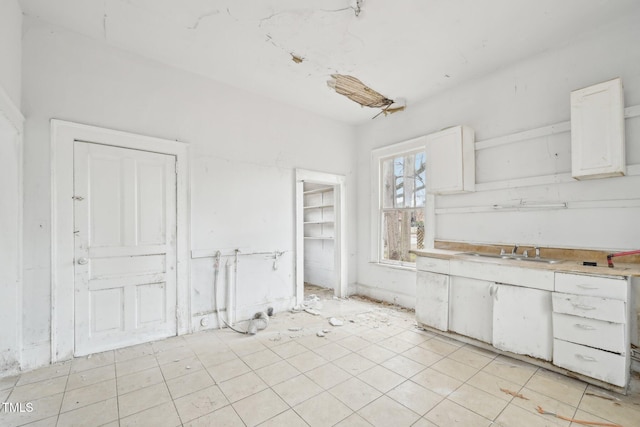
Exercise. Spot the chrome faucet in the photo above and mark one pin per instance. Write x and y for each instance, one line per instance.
(515, 249)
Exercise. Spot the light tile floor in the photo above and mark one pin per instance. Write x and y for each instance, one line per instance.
(377, 369)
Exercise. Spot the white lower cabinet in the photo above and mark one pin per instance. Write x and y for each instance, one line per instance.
(471, 308)
(432, 300)
(522, 321)
(579, 322)
(591, 326)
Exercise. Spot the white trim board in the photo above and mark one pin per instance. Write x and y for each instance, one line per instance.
(341, 227)
(63, 135)
(11, 132)
(560, 178)
(587, 204)
(562, 127)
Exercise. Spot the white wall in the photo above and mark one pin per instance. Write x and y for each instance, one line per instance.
(528, 95)
(243, 150)
(10, 48)
(10, 184)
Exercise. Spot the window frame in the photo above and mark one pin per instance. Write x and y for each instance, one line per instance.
(377, 216)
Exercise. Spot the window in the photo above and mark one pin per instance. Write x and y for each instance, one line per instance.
(402, 206)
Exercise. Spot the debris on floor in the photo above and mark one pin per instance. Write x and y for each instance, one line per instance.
(335, 322)
(312, 311)
(320, 334)
(573, 420)
(513, 393)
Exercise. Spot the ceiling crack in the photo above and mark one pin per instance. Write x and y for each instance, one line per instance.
(201, 17)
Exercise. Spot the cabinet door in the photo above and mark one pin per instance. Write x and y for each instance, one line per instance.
(432, 300)
(471, 308)
(522, 321)
(451, 161)
(597, 131)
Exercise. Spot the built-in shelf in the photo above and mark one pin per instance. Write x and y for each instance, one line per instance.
(318, 206)
(319, 190)
(318, 215)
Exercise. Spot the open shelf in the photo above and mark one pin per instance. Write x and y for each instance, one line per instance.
(319, 190)
(318, 206)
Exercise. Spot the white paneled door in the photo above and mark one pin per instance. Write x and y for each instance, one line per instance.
(125, 246)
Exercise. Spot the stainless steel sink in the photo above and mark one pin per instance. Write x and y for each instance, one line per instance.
(513, 257)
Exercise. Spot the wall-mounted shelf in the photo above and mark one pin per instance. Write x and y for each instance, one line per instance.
(318, 237)
(318, 222)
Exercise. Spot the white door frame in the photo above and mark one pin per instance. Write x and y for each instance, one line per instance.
(340, 241)
(63, 136)
(12, 129)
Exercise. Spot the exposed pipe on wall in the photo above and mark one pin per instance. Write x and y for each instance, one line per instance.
(216, 270)
(227, 277)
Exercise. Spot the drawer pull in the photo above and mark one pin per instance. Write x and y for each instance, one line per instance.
(587, 287)
(583, 307)
(586, 358)
(585, 327)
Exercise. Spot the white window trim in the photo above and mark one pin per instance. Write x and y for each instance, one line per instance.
(377, 155)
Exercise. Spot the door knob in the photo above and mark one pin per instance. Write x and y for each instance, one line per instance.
(83, 261)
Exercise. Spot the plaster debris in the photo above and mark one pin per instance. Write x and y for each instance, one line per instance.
(320, 334)
(297, 59)
(312, 311)
(335, 322)
(296, 329)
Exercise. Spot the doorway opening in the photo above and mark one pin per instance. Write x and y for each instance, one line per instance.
(320, 233)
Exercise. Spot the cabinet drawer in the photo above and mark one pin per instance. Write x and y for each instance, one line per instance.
(607, 287)
(434, 265)
(610, 310)
(609, 367)
(594, 333)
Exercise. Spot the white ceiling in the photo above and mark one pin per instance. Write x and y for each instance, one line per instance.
(407, 49)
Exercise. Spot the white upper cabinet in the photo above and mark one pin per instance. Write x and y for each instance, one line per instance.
(451, 161)
(597, 131)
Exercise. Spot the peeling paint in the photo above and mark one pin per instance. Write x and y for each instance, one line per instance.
(357, 91)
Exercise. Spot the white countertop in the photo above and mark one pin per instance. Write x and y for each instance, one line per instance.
(620, 269)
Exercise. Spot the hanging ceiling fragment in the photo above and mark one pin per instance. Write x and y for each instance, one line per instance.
(357, 91)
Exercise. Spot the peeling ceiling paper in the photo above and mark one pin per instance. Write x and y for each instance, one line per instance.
(357, 91)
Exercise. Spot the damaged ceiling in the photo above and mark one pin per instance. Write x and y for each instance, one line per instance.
(289, 49)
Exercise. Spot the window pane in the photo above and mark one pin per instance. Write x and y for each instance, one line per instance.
(420, 191)
(403, 230)
(398, 170)
(388, 184)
